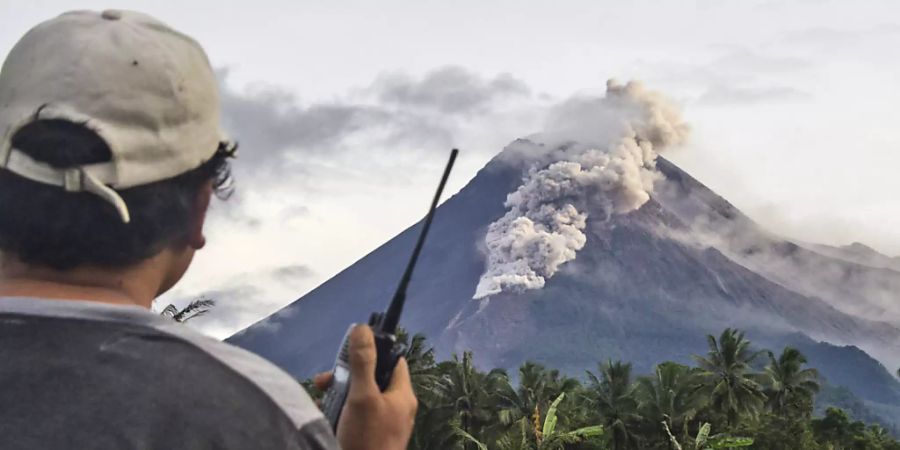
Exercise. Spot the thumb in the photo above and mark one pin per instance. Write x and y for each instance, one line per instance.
(363, 358)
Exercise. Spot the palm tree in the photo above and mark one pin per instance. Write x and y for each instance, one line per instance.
(470, 395)
(193, 310)
(671, 395)
(537, 387)
(790, 387)
(434, 428)
(612, 395)
(433, 415)
(726, 374)
(461, 388)
(880, 436)
(420, 359)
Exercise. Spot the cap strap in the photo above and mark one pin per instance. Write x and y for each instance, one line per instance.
(89, 178)
(91, 184)
(5, 150)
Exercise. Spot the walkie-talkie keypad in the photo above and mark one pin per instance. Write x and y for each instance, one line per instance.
(344, 354)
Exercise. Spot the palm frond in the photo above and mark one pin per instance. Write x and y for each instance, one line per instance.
(194, 309)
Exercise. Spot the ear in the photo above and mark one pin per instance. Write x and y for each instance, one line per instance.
(196, 239)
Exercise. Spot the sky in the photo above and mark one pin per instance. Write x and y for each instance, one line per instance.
(345, 111)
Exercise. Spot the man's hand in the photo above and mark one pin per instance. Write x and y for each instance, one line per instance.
(372, 419)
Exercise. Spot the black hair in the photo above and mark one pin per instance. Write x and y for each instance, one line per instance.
(47, 226)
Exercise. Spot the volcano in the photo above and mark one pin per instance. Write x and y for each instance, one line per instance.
(647, 286)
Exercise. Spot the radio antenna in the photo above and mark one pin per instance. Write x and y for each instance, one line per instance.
(392, 315)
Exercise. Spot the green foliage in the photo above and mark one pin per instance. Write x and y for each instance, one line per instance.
(546, 437)
(612, 397)
(462, 407)
(702, 435)
(673, 395)
(314, 393)
(837, 429)
(841, 398)
(553, 439)
(720, 441)
(734, 390)
(703, 441)
(791, 388)
(777, 432)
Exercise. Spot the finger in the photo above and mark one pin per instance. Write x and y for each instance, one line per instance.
(401, 388)
(323, 380)
(363, 357)
(400, 380)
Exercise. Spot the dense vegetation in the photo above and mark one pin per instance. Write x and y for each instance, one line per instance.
(731, 397)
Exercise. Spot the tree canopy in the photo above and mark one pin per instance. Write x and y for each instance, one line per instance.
(721, 402)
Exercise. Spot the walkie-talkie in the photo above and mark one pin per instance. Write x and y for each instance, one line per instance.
(384, 326)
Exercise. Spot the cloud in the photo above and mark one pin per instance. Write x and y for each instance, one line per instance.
(294, 154)
(274, 128)
(270, 121)
(729, 95)
(834, 45)
(247, 298)
(236, 307)
(737, 76)
(732, 65)
(825, 227)
(293, 272)
(294, 211)
(451, 90)
(831, 38)
(750, 62)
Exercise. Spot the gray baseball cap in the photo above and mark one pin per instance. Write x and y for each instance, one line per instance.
(147, 90)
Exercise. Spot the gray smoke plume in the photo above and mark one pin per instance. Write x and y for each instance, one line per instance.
(606, 164)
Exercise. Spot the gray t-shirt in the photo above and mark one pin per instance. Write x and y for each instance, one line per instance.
(85, 375)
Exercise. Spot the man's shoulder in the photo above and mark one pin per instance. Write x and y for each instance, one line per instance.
(268, 381)
(182, 377)
(271, 381)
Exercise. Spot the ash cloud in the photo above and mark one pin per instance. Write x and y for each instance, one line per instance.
(606, 165)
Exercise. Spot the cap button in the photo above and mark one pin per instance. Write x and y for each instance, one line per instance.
(111, 14)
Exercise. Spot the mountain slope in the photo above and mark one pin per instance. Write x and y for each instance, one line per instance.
(859, 253)
(840, 277)
(641, 290)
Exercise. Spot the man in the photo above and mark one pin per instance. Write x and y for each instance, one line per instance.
(111, 152)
